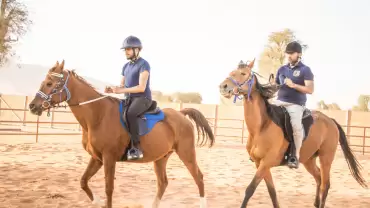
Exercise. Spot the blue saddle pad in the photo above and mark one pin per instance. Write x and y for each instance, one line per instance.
(146, 122)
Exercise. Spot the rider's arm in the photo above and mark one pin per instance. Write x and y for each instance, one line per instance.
(143, 79)
(123, 76)
(308, 81)
(122, 81)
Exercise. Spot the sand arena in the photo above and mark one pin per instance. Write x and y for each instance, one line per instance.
(47, 174)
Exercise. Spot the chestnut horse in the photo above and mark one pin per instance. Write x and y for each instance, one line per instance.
(106, 140)
(270, 136)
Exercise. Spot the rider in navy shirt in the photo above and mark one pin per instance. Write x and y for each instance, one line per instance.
(297, 73)
(135, 85)
(296, 80)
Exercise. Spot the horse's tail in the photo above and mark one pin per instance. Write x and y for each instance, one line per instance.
(201, 124)
(353, 164)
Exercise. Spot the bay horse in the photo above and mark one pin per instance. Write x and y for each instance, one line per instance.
(106, 140)
(270, 136)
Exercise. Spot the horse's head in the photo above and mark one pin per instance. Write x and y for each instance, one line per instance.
(240, 81)
(53, 90)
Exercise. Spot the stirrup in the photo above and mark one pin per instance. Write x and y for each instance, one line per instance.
(134, 154)
(293, 162)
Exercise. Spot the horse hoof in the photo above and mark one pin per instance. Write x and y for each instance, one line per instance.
(203, 202)
(98, 202)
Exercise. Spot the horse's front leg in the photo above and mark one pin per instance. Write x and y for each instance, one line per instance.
(271, 189)
(260, 174)
(249, 146)
(92, 168)
(109, 171)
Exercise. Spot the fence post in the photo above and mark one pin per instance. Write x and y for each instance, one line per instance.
(25, 110)
(181, 106)
(215, 121)
(364, 142)
(348, 124)
(37, 129)
(52, 118)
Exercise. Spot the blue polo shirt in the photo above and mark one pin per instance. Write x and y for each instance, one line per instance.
(131, 71)
(298, 74)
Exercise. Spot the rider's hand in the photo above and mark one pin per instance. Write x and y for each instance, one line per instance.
(115, 89)
(108, 89)
(289, 82)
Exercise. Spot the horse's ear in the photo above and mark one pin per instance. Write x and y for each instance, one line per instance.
(58, 68)
(54, 67)
(61, 66)
(251, 64)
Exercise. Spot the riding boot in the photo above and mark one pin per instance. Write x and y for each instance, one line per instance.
(293, 162)
(135, 152)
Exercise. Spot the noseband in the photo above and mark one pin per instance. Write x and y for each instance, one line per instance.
(47, 104)
(249, 82)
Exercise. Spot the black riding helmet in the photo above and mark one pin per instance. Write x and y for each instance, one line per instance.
(293, 47)
(132, 42)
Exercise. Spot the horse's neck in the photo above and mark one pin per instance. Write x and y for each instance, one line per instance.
(255, 114)
(88, 114)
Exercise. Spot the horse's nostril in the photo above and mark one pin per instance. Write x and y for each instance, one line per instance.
(224, 86)
(31, 106)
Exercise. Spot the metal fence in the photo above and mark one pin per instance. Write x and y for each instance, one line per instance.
(358, 142)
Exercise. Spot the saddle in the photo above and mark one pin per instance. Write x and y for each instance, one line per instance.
(146, 120)
(143, 128)
(280, 117)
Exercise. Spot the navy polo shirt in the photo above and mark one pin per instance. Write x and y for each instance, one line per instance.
(298, 74)
(131, 71)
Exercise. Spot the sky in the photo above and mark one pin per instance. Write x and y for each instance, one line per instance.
(192, 45)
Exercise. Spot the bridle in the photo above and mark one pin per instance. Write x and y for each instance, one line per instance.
(249, 82)
(58, 90)
(60, 87)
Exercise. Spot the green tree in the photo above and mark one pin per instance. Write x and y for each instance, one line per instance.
(362, 103)
(334, 106)
(177, 97)
(321, 105)
(186, 97)
(273, 55)
(14, 23)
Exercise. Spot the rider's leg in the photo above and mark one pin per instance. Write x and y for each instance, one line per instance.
(138, 106)
(296, 113)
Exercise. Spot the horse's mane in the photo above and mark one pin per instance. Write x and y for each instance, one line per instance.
(74, 74)
(267, 91)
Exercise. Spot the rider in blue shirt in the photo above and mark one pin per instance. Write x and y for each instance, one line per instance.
(296, 80)
(135, 83)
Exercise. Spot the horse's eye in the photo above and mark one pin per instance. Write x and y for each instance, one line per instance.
(243, 74)
(49, 84)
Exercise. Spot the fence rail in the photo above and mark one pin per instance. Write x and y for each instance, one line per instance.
(215, 125)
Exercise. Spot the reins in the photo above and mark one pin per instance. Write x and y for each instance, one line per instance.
(250, 81)
(48, 103)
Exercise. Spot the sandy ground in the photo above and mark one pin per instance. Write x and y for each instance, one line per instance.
(46, 175)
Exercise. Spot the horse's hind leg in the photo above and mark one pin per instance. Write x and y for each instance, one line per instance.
(92, 168)
(312, 168)
(326, 160)
(187, 155)
(162, 181)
